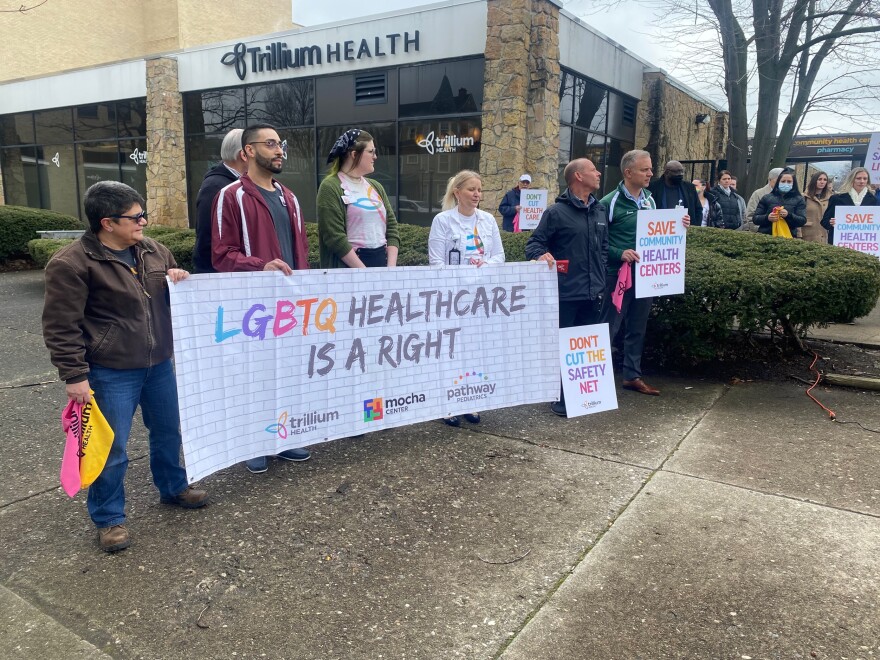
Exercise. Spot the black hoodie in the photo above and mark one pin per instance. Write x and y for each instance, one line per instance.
(577, 232)
(217, 177)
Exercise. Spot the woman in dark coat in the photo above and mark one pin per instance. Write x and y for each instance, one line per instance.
(785, 194)
(855, 191)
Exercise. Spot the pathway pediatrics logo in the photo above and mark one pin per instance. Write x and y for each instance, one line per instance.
(470, 386)
(379, 407)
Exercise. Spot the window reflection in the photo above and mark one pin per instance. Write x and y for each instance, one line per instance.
(20, 178)
(431, 151)
(57, 175)
(17, 129)
(440, 89)
(217, 111)
(285, 104)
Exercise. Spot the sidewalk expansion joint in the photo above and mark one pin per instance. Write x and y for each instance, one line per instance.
(622, 510)
(758, 491)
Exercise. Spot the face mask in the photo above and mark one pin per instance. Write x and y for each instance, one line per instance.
(676, 179)
(785, 187)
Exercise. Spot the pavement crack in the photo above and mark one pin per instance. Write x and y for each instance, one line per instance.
(601, 535)
(758, 491)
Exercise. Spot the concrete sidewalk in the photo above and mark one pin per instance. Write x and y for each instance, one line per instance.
(710, 522)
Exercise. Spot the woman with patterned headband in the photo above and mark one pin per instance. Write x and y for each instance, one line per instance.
(356, 226)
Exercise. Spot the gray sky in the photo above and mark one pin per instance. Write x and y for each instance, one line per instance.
(639, 36)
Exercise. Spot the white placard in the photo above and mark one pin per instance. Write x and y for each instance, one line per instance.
(587, 373)
(266, 363)
(872, 158)
(661, 242)
(858, 228)
(532, 204)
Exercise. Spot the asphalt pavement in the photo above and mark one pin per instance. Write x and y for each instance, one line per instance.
(714, 521)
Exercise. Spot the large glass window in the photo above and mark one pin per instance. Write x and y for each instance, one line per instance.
(595, 123)
(56, 167)
(285, 104)
(202, 153)
(447, 88)
(20, 179)
(17, 129)
(432, 151)
(299, 168)
(49, 158)
(216, 111)
(385, 139)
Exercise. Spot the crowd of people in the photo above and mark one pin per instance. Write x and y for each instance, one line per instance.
(107, 321)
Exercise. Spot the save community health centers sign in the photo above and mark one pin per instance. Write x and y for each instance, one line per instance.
(266, 362)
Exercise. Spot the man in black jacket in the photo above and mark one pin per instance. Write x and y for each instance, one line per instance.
(232, 166)
(671, 190)
(510, 204)
(573, 236)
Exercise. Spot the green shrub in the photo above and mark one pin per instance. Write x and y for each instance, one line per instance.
(20, 224)
(42, 249)
(180, 241)
(753, 283)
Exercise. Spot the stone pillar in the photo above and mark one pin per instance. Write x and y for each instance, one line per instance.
(166, 155)
(520, 97)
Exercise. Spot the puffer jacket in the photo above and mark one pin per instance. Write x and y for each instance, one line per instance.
(731, 209)
(792, 201)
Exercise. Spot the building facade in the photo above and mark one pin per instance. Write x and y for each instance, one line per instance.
(501, 87)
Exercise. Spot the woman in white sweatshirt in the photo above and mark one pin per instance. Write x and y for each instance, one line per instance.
(461, 234)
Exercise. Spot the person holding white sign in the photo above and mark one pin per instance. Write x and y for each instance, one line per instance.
(572, 237)
(510, 205)
(854, 191)
(462, 234)
(623, 205)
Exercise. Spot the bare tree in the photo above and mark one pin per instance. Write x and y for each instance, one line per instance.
(800, 51)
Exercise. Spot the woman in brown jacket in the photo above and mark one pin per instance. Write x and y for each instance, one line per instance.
(817, 194)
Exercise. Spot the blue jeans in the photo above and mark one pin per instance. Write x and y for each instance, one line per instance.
(118, 393)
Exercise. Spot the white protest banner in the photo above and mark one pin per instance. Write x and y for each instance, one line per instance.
(587, 373)
(872, 158)
(661, 239)
(532, 204)
(858, 228)
(266, 363)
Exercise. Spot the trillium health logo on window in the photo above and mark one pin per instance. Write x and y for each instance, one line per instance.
(446, 144)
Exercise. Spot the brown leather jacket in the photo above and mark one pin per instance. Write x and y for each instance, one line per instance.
(98, 311)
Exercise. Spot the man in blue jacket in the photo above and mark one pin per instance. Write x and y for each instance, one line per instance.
(510, 204)
(573, 236)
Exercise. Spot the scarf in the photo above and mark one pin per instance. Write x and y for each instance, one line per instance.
(857, 198)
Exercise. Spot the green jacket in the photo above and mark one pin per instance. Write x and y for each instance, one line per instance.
(621, 224)
(332, 237)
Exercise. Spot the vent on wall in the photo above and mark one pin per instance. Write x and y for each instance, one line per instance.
(370, 88)
(629, 114)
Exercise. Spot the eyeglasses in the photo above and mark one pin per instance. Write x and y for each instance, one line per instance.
(134, 218)
(272, 144)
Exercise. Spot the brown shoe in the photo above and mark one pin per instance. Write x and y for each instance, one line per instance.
(113, 539)
(188, 499)
(638, 385)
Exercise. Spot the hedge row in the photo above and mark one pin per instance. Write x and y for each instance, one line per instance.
(735, 281)
(20, 224)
